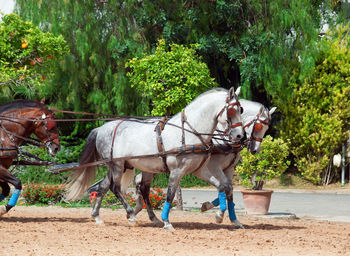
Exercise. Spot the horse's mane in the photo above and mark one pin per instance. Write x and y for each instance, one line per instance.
(217, 89)
(19, 104)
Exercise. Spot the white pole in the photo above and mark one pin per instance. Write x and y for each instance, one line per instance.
(343, 164)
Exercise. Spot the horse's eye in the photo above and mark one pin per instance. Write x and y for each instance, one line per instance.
(241, 110)
(258, 127)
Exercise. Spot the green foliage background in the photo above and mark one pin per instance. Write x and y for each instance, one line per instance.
(273, 49)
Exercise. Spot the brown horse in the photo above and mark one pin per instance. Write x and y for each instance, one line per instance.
(18, 120)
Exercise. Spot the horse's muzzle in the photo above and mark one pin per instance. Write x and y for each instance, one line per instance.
(52, 148)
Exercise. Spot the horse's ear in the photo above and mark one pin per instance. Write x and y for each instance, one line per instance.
(238, 90)
(261, 110)
(272, 110)
(231, 93)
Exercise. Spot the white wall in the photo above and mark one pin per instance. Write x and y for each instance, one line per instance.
(6, 6)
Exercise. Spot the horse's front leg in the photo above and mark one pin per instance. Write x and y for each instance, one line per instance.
(230, 204)
(179, 166)
(214, 175)
(5, 190)
(232, 213)
(9, 178)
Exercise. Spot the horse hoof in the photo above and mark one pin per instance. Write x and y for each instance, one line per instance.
(168, 227)
(132, 221)
(98, 220)
(206, 206)
(219, 217)
(157, 222)
(237, 224)
(3, 210)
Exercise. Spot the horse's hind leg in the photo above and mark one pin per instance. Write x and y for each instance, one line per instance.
(143, 187)
(115, 187)
(101, 189)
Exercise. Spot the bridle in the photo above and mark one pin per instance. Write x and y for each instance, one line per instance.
(257, 126)
(47, 120)
(230, 112)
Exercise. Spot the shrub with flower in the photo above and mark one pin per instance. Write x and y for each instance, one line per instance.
(157, 198)
(41, 193)
(130, 198)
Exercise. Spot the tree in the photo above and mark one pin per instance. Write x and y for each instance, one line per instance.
(101, 36)
(27, 57)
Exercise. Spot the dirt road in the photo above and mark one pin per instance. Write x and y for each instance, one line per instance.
(71, 231)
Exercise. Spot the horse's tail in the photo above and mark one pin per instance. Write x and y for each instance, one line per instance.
(82, 178)
(127, 178)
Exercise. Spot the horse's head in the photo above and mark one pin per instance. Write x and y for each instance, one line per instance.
(256, 128)
(46, 130)
(232, 118)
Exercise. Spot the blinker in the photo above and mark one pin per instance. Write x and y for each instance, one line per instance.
(50, 125)
(231, 112)
(258, 127)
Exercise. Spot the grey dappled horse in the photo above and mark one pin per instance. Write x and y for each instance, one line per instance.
(133, 144)
(219, 170)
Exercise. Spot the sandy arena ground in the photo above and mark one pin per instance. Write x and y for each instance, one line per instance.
(71, 231)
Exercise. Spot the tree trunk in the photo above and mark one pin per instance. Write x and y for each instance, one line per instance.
(179, 205)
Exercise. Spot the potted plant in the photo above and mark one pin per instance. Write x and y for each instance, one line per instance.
(256, 169)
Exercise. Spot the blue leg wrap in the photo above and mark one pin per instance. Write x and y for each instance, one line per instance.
(222, 198)
(14, 197)
(2, 197)
(231, 211)
(216, 202)
(165, 212)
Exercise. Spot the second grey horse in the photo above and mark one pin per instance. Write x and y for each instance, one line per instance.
(220, 168)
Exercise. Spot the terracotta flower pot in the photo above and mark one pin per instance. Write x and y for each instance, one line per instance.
(256, 202)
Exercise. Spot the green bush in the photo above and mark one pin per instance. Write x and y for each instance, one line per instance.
(270, 163)
(170, 78)
(187, 181)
